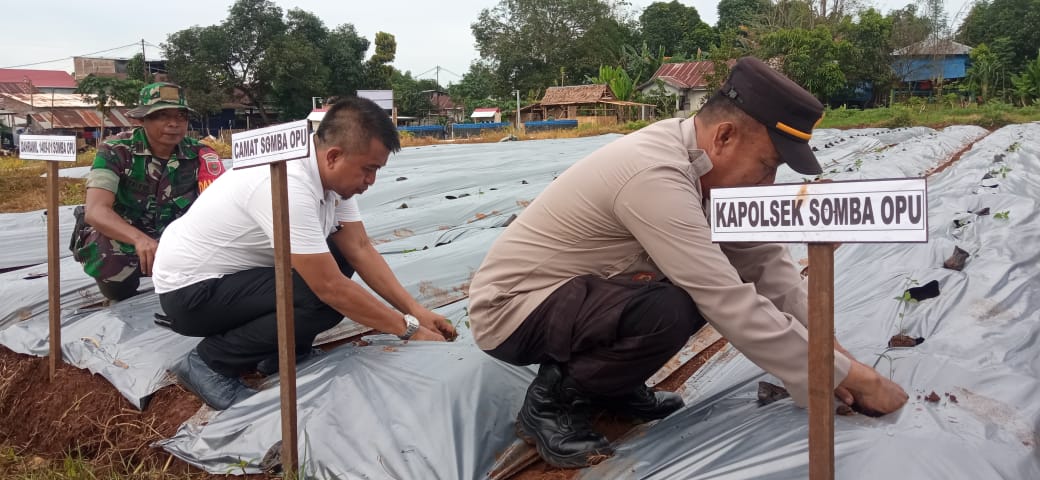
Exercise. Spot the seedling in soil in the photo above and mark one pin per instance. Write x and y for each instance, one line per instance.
(1002, 171)
(1002, 215)
(905, 301)
(1014, 147)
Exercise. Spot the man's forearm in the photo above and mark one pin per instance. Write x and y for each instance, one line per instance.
(353, 301)
(374, 270)
(110, 224)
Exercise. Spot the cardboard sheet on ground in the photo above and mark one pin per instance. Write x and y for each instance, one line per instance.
(980, 353)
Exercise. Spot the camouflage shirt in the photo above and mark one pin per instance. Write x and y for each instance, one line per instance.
(150, 192)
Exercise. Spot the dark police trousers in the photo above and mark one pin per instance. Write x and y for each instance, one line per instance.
(609, 335)
(236, 313)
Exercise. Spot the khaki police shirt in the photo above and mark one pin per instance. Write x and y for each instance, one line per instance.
(636, 205)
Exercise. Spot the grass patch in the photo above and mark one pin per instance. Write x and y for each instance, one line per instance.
(990, 115)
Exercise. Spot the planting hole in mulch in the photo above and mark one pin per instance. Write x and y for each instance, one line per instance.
(904, 341)
(932, 397)
(957, 260)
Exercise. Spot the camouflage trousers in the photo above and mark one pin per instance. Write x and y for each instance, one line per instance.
(113, 264)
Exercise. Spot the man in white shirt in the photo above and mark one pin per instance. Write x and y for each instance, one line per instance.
(214, 270)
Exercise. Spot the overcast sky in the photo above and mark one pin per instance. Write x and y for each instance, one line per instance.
(429, 33)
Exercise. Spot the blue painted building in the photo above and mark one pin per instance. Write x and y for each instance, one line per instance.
(930, 61)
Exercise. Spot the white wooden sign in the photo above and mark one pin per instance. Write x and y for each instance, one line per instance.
(47, 147)
(840, 212)
(287, 141)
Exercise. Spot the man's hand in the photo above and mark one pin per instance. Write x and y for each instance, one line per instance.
(436, 323)
(871, 393)
(425, 334)
(146, 247)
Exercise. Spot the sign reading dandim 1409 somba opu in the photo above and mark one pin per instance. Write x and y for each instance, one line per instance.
(287, 141)
(857, 211)
(47, 147)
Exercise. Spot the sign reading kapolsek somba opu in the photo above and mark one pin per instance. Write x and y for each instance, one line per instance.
(47, 147)
(858, 211)
(276, 143)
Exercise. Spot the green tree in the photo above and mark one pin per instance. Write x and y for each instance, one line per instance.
(231, 56)
(137, 69)
(1013, 22)
(787, 14)
(908, 27)
(344, 55)
(618, 80)
(643, 63)
(985, 70)
(676, 28)
(478, 84)
(535, 43)
(809, 57)
(869, 56)
(412, 95)
(1027, 83)
(296, 65)
(734, 14)
(105, 92)
(378, 68)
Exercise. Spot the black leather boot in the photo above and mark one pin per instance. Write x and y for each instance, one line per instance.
(555, 418)
(643, 403)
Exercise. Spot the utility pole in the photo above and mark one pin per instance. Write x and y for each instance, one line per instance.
(438, 76)
(144, 64)
(517, 92)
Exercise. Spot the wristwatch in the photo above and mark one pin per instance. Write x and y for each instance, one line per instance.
(411, 325)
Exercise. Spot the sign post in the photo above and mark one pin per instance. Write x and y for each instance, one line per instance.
(822, 215)
(54, 149)
(274, 146)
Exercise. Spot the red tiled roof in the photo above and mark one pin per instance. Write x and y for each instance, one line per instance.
(39, 78)
(17, 87)
(486, 109)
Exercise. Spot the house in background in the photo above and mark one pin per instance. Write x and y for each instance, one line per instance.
(442, 109)
(925, 66)
(114, 67)
(487, 115)
(63, 114)
(36, 81)
(687, 82)
(588, 104)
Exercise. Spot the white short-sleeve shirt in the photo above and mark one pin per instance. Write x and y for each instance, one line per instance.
(230, 226)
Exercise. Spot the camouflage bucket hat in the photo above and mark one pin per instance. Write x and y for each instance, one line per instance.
(159, 96)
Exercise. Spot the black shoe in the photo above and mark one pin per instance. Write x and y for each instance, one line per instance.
(269, 365)
(644, 403)
(218, 391)
(555, 418)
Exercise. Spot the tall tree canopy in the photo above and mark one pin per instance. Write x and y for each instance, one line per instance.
(270, 58)
(734, 14)
(676, 28)
(532, 44)
(1010, 27)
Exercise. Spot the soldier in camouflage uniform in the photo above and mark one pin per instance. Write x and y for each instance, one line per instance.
(140, 182)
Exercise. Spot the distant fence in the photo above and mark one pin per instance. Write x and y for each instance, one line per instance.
(464, 130)
(436, 131)
(550, 125)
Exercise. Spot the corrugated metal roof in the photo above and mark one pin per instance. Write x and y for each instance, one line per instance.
(685, 75)
(39, 78)
(577, 94)
(57, 100)
(76, 118)
(934, 46)
(17, 87)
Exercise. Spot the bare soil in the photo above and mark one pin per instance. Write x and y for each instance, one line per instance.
(80, 414)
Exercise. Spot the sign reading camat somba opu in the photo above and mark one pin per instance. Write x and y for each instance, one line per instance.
(857, 211)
